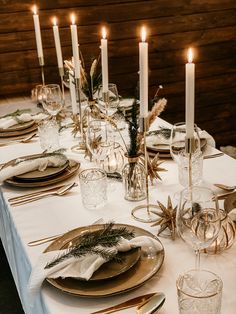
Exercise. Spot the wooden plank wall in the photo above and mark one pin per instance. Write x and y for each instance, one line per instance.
(207, 25)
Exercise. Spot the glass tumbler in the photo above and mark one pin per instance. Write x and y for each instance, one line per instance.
(183, 168)
(48, 131)
(93, 186)
(199, 292)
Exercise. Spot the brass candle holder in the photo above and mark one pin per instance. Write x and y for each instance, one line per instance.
(61, 73)
(143, 212)
(41, 63)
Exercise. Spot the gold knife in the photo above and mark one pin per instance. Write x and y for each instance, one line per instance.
(127, 304)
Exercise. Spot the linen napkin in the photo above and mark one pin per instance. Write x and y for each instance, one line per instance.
(9, 121)
(82, 267)
(21, 165)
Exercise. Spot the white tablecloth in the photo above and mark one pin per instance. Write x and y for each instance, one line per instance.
(54, 215)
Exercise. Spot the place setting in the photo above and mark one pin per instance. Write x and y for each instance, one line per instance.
(38, 171)
(99, 260)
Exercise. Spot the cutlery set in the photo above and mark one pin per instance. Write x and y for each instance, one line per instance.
(27, 198)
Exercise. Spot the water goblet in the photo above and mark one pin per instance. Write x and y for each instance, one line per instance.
(198, 218)
(108, 104)
(52, 99)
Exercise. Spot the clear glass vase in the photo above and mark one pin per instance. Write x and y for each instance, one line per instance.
(134, 180)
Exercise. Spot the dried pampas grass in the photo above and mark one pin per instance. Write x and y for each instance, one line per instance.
(156, 110)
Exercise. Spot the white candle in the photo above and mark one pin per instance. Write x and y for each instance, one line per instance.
(57, 43)
(75, 46)
(189, 94)
(37, 32)
(104, 61)
(73, 93)
(143, 75)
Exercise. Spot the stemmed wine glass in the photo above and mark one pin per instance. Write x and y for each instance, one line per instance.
(198, 218)
(108, 106)
(52, 99)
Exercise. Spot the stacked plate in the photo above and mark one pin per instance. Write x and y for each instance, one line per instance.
(18, 130)
(155, 145)
(36, 178)
(125, 107)
(137, 266)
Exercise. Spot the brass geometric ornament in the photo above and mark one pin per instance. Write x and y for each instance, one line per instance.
(167, 218)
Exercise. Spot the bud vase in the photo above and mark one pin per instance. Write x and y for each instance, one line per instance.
(134, 180)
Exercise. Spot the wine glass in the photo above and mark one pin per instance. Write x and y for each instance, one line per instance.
(198, 218)
(52, 99)
(108, 106)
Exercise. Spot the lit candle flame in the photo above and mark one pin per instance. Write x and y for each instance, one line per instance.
(34, 9)
(72, 19)
(190, 55)
(104, 33)
(54, 20)
(143, 34)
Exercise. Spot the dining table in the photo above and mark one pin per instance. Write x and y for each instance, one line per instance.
(59, 214)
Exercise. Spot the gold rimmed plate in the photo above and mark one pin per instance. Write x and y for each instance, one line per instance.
(68, 172)
(18, 126)
(146, 267)
(14, 133)
(37, 175)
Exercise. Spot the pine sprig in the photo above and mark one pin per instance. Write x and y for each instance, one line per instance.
(133, 132)
(97, 242)
(16, 113)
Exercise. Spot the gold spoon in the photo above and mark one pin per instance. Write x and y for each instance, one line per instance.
(61, 191)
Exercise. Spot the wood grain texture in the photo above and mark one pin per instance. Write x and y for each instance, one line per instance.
(209, 26)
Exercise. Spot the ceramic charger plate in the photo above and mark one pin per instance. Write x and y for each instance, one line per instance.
(19, 129)
(146, 267)
(40, 179)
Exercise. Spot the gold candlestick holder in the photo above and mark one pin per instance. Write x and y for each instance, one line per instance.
(81, 147)
(143, 212)
(61, 73)
(41, 63)
(189, 149)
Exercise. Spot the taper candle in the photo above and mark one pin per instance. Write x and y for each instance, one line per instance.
(143, 74)
(189, 94)
(104, 57)
(57, 43)
(75, 46)
(38, 34)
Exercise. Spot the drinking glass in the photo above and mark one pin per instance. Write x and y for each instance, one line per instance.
(99, 138)
(198, 218)
(49, 135)
(93, 185)
(199, 292)
(108, 106)
(52, 99)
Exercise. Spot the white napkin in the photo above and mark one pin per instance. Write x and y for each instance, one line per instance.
(9, 121)
(25, 166)
(82, 267)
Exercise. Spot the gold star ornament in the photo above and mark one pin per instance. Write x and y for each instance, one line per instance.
(167, 218)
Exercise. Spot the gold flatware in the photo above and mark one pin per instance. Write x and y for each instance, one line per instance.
(225, 187)
(54, 237)
(127, 304)
(213, 155)
(37, 193)
(152, 305)
(61, 191)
